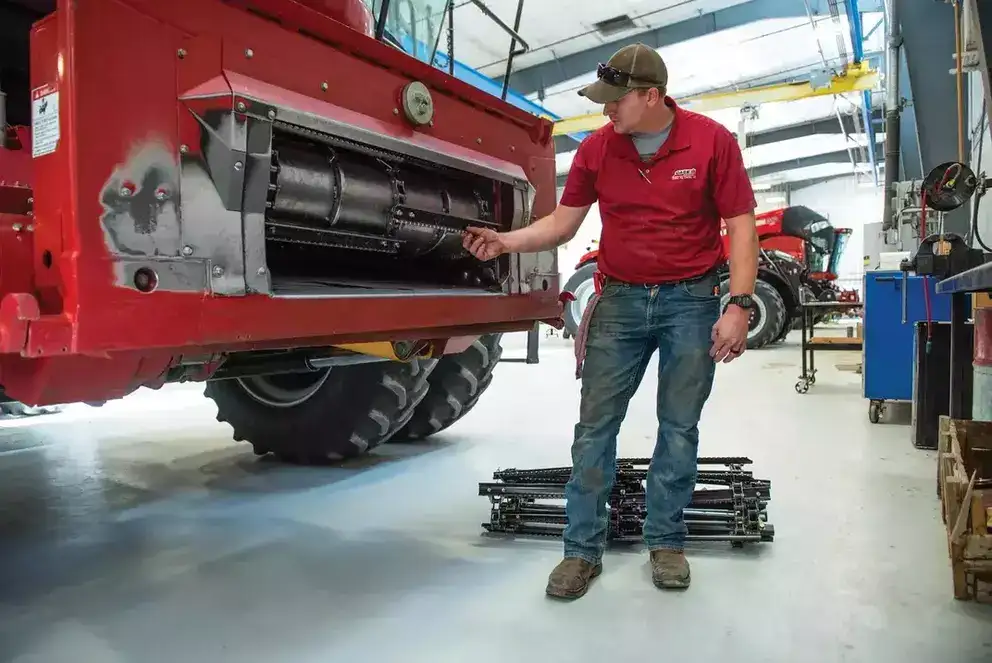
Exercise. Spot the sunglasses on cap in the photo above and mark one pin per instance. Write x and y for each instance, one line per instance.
(613, 76)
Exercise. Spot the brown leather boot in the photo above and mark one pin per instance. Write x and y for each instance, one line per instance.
(570, 579)
(669, 569)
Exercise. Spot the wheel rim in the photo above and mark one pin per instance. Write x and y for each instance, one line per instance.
(758, 314)
(284, 390)
(583, 293)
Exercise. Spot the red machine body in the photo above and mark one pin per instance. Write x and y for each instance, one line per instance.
(72, 330)
(772, 238)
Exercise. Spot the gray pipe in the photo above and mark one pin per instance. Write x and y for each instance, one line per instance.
(892, 110)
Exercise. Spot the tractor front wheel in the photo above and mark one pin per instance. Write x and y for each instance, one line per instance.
(768, 313)
(456, 384)
(583, 287)
(337, 413)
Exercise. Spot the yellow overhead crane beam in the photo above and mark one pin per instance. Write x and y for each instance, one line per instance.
(854, 78)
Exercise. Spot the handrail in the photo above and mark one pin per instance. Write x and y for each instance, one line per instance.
(384, 18)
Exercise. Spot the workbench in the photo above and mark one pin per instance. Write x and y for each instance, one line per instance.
(812, 344)
(960, 287)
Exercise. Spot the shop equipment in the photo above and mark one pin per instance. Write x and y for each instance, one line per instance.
(811, 312)
(733, 508)
(268, 196)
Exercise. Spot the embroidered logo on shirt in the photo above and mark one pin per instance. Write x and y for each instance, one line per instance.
(684, 174)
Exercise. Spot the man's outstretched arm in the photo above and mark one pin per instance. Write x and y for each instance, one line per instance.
(550, 231)
(544, 234)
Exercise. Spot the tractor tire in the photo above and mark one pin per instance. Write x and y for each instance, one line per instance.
(768, 315)
(786, 328)
(311, 418)
(456, 384)
(581, 285)
(18, 409)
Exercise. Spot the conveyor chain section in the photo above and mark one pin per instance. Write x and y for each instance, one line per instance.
(528, 502)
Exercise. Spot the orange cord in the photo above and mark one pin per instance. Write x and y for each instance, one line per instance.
(957, 77)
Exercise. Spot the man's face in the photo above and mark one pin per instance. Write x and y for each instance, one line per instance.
(630, 111)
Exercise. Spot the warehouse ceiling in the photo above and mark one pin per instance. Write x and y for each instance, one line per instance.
(708, 45)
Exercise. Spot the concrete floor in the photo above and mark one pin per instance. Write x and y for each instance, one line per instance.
(141, 532)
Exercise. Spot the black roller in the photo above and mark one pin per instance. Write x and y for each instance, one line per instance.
(304, 186)
(349, 192)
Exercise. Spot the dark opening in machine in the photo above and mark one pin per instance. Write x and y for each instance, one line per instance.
(356, 217)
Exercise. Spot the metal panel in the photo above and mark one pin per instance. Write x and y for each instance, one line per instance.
(888, 342)
(542, 76)
(910, 161)
(928, 42)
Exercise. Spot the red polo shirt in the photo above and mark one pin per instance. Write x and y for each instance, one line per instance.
(661, 218)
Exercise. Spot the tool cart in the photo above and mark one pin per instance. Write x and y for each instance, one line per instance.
(811, 311)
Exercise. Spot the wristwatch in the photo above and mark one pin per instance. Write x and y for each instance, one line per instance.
(743, 301)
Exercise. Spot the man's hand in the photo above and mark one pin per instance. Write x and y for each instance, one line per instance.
(483, 243)
(730, 334)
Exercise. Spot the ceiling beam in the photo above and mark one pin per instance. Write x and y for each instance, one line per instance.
(798, 185)
(824, 126)
(839, 156)
(542, 76)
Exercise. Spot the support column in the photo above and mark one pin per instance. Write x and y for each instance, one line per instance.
(928, 43)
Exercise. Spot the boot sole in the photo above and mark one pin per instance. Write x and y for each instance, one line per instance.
(565, 594)
(673, 584)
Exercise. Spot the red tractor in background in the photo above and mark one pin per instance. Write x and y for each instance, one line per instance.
(267, 196)
(800, 252)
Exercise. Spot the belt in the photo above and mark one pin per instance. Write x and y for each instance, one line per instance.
(612, 280)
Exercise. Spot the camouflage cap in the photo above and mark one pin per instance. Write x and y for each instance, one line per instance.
(634, 66)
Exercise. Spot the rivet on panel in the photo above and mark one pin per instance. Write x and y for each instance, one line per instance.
(238, 165)
(181, 53)
(272, 114)
(241, 107)
(396, 111)
(323, 86)
(479, 141)
(187, 250)
(249, 53)
(218, 271)
(183, 149)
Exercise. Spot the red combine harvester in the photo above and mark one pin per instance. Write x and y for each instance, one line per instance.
(267, 196)
(800, 252)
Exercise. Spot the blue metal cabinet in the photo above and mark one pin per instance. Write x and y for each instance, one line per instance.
(888, 342)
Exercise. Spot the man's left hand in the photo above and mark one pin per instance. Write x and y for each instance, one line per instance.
(730, 334)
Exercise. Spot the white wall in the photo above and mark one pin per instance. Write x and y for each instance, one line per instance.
(847, 204)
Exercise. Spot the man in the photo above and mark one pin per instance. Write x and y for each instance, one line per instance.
(664, 177)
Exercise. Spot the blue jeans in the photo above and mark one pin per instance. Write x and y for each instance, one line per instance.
(628, 324)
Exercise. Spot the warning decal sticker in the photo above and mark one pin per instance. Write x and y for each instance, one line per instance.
(44, 120)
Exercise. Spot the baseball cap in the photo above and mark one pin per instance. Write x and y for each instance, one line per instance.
(634, 66)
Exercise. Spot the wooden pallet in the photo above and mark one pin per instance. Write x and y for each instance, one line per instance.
(964, 460)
